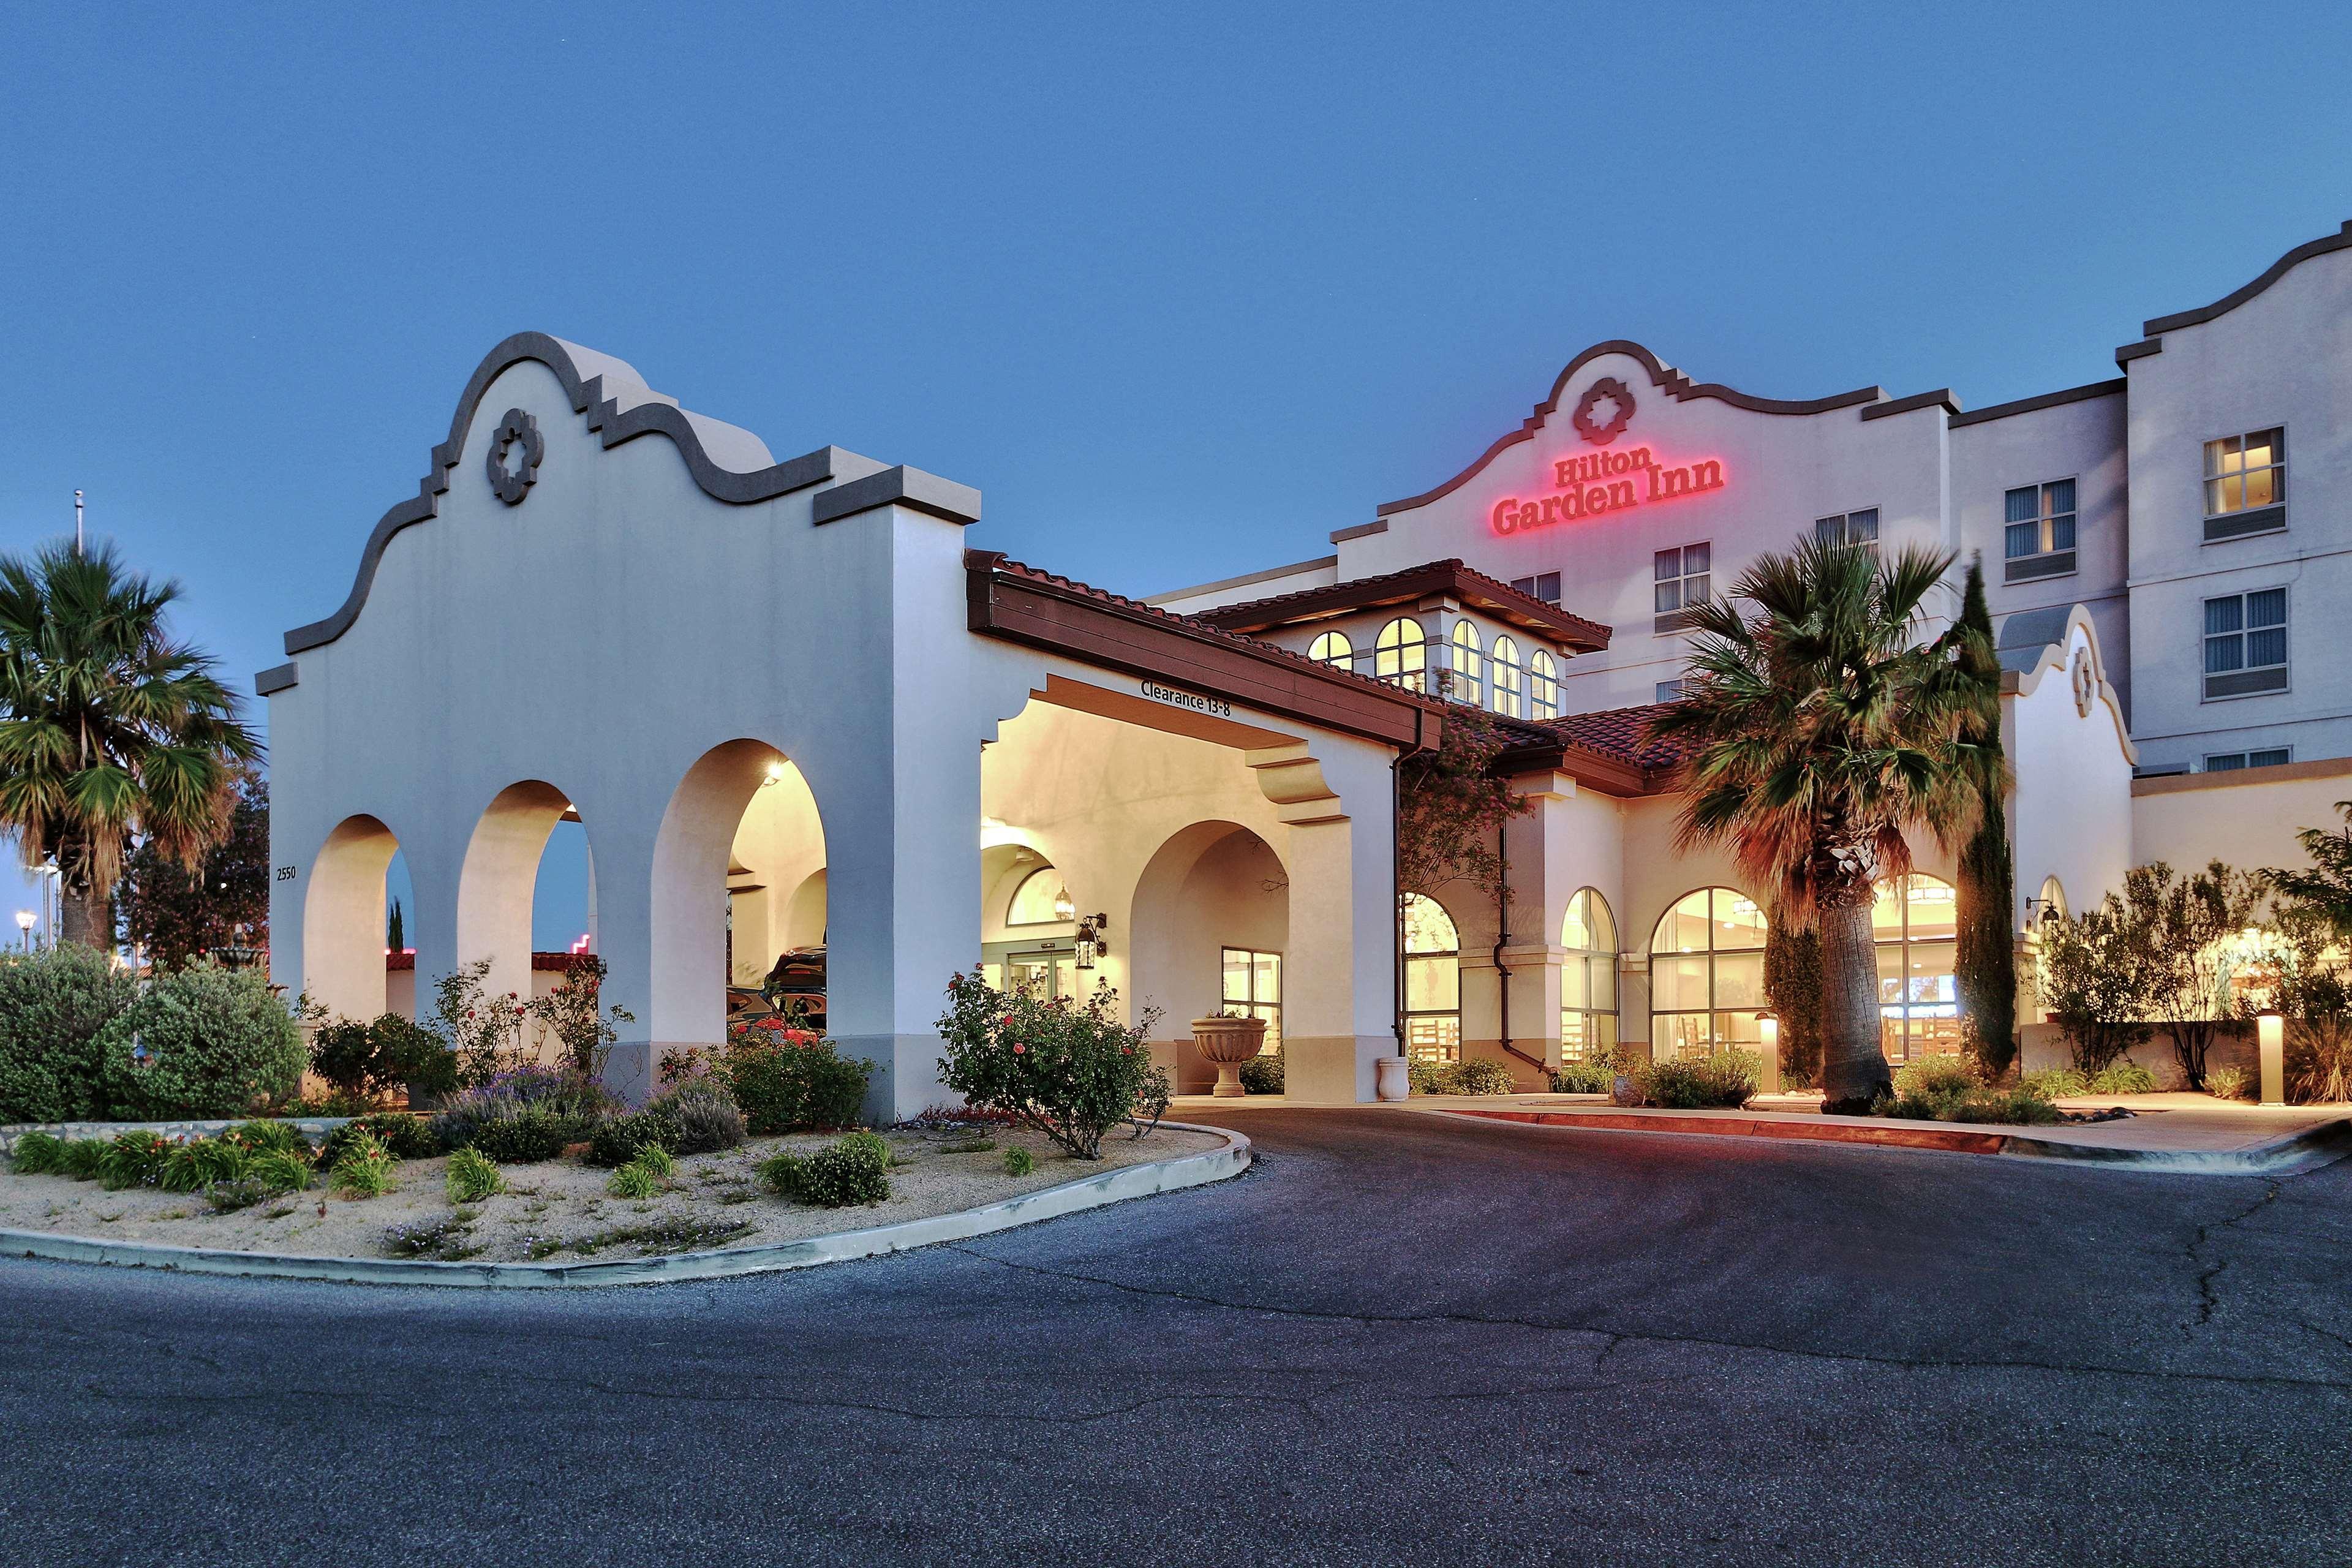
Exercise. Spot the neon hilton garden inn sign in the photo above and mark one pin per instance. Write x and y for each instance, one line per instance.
(1605, 481)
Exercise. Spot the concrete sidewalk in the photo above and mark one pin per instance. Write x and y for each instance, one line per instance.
(2160, 1125)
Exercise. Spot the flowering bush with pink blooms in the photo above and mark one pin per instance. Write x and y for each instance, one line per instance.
(1070, 1070)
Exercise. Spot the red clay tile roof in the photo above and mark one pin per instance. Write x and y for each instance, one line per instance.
(1450, 577)
(557, 962)
(1624, 734)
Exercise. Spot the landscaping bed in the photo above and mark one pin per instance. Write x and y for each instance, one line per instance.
(563, 1209)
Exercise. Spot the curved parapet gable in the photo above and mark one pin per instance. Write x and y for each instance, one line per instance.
(615, 401)
(2033, 644)
(1663, 378)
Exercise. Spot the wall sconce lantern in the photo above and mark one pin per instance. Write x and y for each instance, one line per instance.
(2270, 1043)
(1090, 942)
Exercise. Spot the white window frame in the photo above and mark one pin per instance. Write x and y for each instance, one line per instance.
(1401, 663)
(1666, 618)
(1543, 686)
(1257, 1007)
(1507, 677)
(1469, 664)
(2212, 476)
(1844, 522)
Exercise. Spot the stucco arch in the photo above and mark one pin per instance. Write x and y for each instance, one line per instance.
(343, 918)
(693, 851)
(499, 877)
(1209, 885)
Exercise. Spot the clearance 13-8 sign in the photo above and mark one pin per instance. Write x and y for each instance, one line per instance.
(1588, 485)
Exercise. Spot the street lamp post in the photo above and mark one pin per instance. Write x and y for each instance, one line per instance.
(25, 924)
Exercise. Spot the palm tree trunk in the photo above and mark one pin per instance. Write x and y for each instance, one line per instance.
(1853, 1067)
(86, 915)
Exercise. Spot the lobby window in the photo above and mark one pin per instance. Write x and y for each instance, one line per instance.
(1681, 581)
(1914, 921)
(1401, 654)
(1706, 974)
(1857, 528)
(1040, 900)
(1543, 686)
(1333, 647)
(2245, 484)
(1469, 666)
(1253, 986)
(2246, 644)
(2229, 761)
(1507, 677)
(1433, 982)
(1544, 586)
(2038, 532)
(1587, 979)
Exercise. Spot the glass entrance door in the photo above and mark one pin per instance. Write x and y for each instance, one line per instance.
(1047, 973)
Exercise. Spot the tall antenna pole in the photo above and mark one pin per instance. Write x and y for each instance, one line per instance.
(78, 522)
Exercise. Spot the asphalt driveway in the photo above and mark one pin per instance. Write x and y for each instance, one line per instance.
(1399, 1340)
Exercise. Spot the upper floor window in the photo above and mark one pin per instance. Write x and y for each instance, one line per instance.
(1507, 677)
(1469, 665)
(1858, 529)
(2229, 761)
(1543, 686)
(1682, 580)
(2246, 644)
(1040, 900)
(1401, 654)
(2245, 484)
(1544, 586)
(1333, 647)
(1669, 691)
(2038, 532)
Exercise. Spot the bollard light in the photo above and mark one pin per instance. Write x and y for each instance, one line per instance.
(2270, 1043)
(1768, 1025)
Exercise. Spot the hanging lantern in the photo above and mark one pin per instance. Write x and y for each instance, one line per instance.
(1064, 909)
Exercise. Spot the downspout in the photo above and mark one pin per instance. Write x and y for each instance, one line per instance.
(1503, 924)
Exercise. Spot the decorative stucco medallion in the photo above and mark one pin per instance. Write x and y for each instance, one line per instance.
(515, 451)
(2087, 685)
(1601, 431)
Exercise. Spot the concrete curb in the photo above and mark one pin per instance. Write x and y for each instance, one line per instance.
(1050, 1203)
(2312, 1147)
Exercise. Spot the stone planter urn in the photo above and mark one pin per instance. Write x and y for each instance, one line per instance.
(1392, 1078)
(1228, 1043)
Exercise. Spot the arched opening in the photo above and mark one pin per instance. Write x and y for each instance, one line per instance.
(1706, 974)
(1543, 686)
(344, 913)
(1208, 929)
(1332, 647)
(1469, 666)
(1506, 676)
(1433, 981)
(734, 880)
(499, 885)
(1401, 654)
(1587, 979)
(1914, 920)
(1028, 927)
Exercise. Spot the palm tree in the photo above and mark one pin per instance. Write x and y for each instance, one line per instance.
(1821, 729)
(109, 728)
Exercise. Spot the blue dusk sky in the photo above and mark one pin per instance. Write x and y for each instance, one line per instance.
(1180, 289)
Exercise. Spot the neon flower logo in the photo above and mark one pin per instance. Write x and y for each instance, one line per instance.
(1605, 481)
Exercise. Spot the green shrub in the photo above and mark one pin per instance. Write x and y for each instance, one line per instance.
(37, 1153)
(282, 1136)
(703, 1116)
(2055, 1083)
(199, 1163)
(278, 1171)
(473, 1176)
(132, 1159)
(2123, 1077)
(364, 1169)
(1719, 1080)
(618, 1140)
(852, 1170)
(1976, 1105)
(528, 1114)
(523, 1138)
(216, 1040)
(405, 1136)
(1459, 1077)
(1584, 1078)
(1933, 1076)
(364, 1060)
(657, 1159)
(786, 1080)
(54, 1006)
(1073, 1071)
(1428, 1077)
(634, 1180)
(228, 1197)
(80, 1158)
(1263, 1075)
(2222, 1083)
(1018, 1163)
(342, 1051)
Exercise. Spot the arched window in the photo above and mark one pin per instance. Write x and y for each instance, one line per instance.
(1469, 666)
(1543, 686)
(1507, 677)
(1706, 974)
(1401, 654)
(1587, 979)
(1433, 981)
(1040, 900)
(1333, 647)
(1915, 920)
(2051, 903)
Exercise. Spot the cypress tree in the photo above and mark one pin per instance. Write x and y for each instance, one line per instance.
(395, 928)
(1986, 965)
